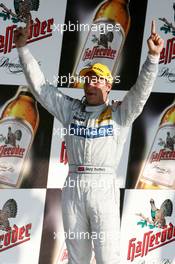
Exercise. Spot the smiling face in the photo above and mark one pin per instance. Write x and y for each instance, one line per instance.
(96, 89)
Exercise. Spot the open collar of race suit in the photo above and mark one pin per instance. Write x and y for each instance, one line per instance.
(97, 108)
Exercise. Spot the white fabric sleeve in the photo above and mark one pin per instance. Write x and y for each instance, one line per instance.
(49, 96)
(134, 101)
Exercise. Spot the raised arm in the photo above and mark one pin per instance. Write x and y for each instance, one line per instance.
(49, 96)
(136, 98)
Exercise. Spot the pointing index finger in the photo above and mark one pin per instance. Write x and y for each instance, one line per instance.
(28, 24)
(153, 27)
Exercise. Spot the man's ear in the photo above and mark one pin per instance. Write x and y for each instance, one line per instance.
(109, 87)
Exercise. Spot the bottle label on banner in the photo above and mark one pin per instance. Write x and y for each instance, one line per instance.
(103, 45)
(15, 139)
(160, 165)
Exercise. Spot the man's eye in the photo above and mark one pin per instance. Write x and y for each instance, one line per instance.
(101, 80)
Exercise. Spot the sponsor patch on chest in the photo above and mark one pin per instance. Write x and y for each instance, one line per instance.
(106, 115)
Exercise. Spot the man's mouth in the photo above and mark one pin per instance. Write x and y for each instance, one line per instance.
(90, 94)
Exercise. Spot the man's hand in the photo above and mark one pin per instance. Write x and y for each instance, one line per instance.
(155, 42)
(21, 35)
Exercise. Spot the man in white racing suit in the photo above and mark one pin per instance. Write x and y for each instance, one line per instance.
(95, 139)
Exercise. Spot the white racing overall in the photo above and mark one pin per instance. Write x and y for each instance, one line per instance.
(95, 139)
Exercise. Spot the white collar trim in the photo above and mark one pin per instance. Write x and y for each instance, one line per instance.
(97, 108)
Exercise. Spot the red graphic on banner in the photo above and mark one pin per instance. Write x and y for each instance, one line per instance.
(12, 236)
(15, 236)
(162, 155)
(65, 255)
(150, 242)
(97, 52)
(63, 154)
(11, 151)
(168, 53)
(38, 30)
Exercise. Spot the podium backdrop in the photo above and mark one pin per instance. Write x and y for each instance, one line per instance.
(33, 233)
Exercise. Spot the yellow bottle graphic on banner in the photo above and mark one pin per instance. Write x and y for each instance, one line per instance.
(159, 169)
(105, 39)
(18, 125)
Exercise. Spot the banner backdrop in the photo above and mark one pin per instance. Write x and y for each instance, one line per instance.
(33, 151)
(163, 12)
(147, 232)
(42, 40)
(150, 155)
(83, 13)
(24, 153)
(21, 219)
